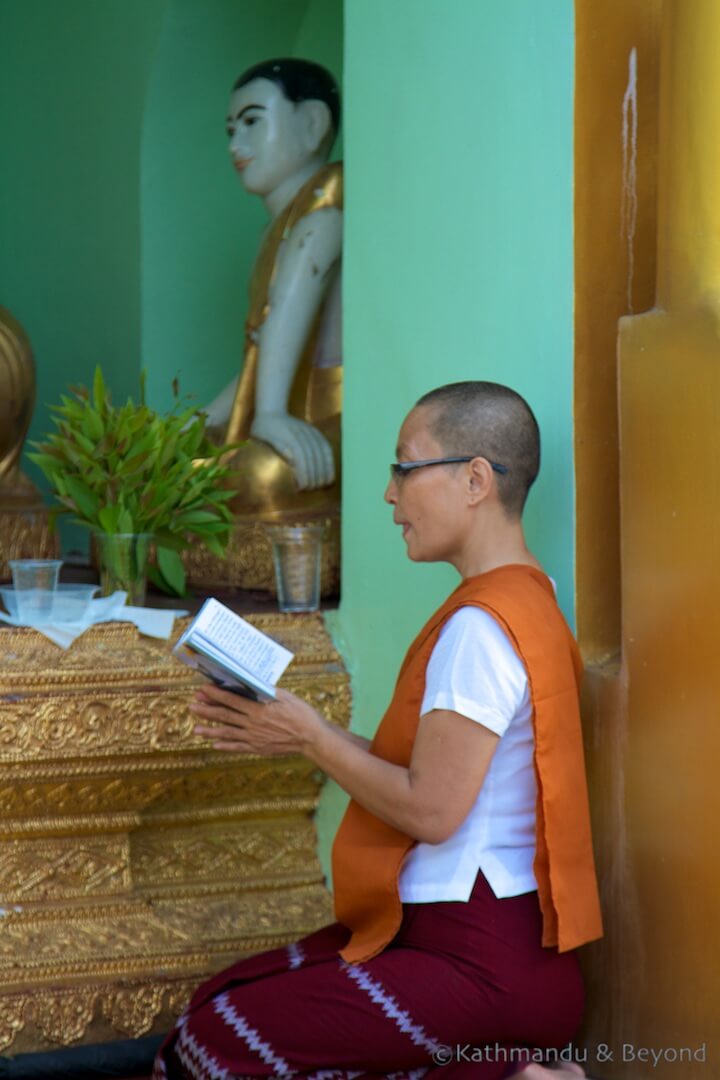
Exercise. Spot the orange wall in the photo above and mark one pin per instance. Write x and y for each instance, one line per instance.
(605, 34)
(653, 737)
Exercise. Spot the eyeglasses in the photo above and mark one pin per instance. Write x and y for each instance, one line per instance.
(399, 469)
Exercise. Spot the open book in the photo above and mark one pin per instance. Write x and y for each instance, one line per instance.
(232, 653)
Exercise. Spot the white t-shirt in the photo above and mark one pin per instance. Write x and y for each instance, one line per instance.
(474, 670)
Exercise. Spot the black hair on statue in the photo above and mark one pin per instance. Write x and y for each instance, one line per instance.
(492, 421)
(299, 80)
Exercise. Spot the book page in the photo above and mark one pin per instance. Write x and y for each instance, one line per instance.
(241, 642)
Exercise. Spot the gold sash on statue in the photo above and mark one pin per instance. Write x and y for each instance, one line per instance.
(265, 481)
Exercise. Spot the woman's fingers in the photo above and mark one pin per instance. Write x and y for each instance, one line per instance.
(276, 728)
(224, 738)
(220, 731)
(221, 714)
(236, 702)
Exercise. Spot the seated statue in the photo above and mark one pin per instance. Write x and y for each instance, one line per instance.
(286, 403)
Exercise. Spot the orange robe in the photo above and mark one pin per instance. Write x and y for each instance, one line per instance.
(368, 853)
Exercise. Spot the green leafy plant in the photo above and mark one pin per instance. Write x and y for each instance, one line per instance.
(129, 469)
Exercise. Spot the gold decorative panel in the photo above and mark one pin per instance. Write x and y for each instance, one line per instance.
(135, 861)
(24, 532)
(248, 563)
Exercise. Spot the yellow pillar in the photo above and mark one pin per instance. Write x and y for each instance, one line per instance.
(669, 379)
(689, 162)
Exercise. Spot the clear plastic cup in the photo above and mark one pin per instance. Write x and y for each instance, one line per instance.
(297, 553)
(35, 582)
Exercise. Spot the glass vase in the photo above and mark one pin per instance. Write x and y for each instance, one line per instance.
(123, 559)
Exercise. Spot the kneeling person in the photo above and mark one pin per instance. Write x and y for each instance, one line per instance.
(463, 869)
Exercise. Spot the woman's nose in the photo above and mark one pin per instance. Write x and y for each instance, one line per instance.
(390, 495)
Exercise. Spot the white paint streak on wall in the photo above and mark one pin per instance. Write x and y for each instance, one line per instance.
(628, 206)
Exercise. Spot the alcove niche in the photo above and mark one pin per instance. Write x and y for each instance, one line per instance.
(200, 230)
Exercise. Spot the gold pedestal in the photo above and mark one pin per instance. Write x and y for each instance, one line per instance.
(248, 561)
(135, 861)
(24, 524)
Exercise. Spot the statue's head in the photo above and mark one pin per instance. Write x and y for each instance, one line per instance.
(283, 115)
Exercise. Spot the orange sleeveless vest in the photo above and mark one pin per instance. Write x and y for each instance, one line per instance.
(368, 853)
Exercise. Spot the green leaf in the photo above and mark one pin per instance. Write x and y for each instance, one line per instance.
(213, 544)
(175, 541)
(156, 578)
(49, 465)
(92, 426)
(211, 528)
(108, 518)
(99, 390)
(86, 440)
(86, 501)
(125, 523)
(172, 569)
(198, 517)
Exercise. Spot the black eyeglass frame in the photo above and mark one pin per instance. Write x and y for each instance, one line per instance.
(399, 469)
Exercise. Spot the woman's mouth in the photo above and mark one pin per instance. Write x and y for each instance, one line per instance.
(241, 163)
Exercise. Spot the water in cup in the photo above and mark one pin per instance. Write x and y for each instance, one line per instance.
(297, 551)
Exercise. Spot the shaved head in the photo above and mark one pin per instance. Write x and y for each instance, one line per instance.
(488, 420)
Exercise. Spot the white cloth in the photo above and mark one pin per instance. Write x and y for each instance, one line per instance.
(152, 622)
(474, 670)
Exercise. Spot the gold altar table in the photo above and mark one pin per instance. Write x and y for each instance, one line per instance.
(135, 861)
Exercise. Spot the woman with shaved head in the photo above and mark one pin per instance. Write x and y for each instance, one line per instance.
(463, 870)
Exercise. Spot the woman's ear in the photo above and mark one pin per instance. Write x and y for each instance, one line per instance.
(480, 479)
(317, 124)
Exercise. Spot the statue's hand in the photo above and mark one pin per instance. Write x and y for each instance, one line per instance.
(306, 448)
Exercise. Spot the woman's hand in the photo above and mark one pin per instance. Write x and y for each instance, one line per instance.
(235, 723)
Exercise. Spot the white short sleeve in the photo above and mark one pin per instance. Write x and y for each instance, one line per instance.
(474, 670)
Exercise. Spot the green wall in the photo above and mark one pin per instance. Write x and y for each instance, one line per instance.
(72, 91)
(458, 265)
(125, 237)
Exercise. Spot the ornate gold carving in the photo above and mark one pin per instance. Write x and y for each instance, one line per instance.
(112, 653)
(117, 653)
(25, 534)
(125, 724)
(120, 724)
(178, 997)
(226, 917)
(52, 1017)
(40, 941)
(12, 1019)
(285, 849)
(132, 1012)
(329, 696)
(136, 860)
(140, 936)
(248, 563)
(227, 782)
(63, 1018)
(38, 869)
